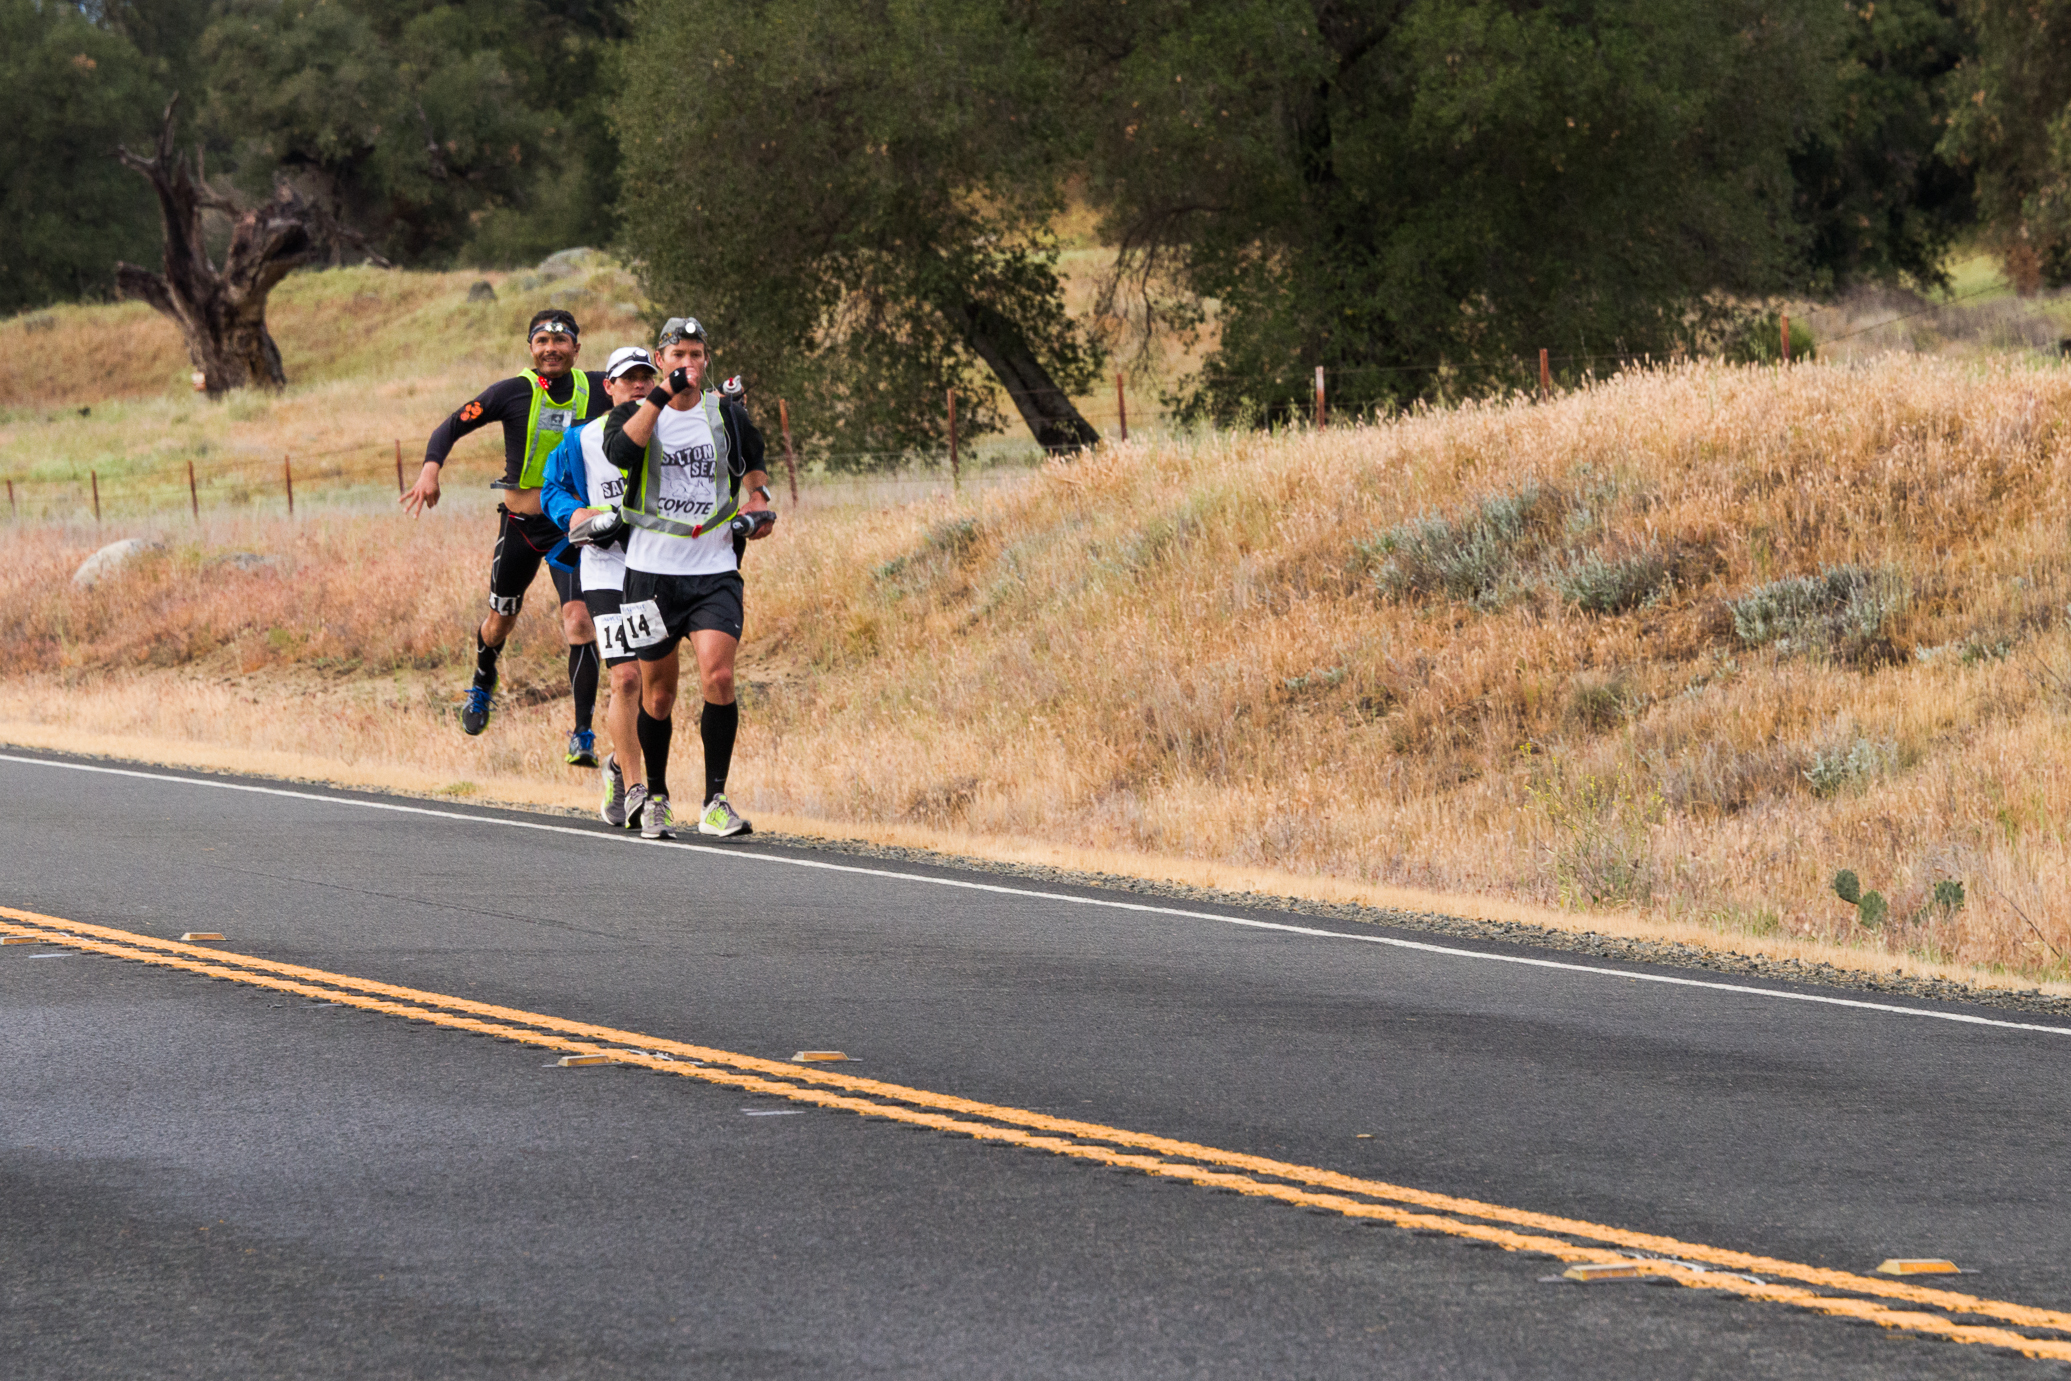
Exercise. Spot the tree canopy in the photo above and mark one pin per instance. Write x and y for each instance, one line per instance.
(861, 199)
(2011, 120)
(70, 90)
(1421, 195)
(858, 199)
(442, 131)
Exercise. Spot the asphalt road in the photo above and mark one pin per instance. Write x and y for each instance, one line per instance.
(207, 1178)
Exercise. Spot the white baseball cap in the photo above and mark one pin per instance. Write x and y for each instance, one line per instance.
(629, 357)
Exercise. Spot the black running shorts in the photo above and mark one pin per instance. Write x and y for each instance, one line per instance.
(611, 629)
(661, 610)
(523, 541)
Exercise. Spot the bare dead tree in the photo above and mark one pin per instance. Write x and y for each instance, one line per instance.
(221, 312)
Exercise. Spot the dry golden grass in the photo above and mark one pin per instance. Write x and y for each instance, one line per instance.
(1174, 652)
(373, 358)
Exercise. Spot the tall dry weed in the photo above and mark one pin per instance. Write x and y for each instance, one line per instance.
(1189, 648)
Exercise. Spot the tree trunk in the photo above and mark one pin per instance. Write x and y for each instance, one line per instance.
(1044, 406)
(221, 313)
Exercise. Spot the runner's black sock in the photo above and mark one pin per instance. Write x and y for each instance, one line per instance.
(582, 679)
(485, 662)
(654, 750)
(717, 726)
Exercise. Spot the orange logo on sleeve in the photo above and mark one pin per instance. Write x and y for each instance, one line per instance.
(471, 412)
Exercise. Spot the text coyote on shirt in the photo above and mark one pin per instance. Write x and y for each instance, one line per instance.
(695, 462)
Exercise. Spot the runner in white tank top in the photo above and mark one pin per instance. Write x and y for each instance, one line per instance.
(580, 483)
(693, 466)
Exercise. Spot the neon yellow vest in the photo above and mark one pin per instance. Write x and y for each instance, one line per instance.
(643, 512)
(560, 417)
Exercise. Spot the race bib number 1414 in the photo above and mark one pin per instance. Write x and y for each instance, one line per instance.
(640, 625)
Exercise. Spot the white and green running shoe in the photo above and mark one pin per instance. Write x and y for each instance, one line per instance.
(657, 821)
(722, 819)
(636, 802)
(614, 808)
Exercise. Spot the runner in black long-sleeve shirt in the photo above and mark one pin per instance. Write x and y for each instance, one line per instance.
(535, 408)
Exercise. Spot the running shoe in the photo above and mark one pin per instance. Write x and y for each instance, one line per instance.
(582, 749)
(613, 810)
(474, 715)
(657, 821)
(722, 819)
(636, 801)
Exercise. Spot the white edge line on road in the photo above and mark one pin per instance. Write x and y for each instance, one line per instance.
(1245, 921)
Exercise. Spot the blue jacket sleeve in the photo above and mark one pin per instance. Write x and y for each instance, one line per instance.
(566, 487)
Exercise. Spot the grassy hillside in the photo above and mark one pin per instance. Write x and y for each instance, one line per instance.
(1685, 644)
(372, 357)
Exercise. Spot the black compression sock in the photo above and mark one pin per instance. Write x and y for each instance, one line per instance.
(654, 750)
(582, 679)
(717, 726)
(485, 662)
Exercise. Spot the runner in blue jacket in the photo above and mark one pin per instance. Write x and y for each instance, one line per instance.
(579, 482)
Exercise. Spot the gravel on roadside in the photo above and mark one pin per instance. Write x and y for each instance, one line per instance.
(1622, 949)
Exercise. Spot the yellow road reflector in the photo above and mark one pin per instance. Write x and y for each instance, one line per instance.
(1919, 1266)
(570, 1061)
(201, 937)
(1603, 1270)
(819, 1057)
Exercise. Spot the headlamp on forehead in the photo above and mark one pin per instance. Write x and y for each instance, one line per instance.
(552, 324)
(681, 328)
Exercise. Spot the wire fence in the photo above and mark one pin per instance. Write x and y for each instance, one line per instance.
(363, 470)
(251, 483)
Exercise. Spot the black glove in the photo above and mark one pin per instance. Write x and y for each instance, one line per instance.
(679, 380)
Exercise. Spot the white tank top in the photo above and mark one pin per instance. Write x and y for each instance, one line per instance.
(603, 569)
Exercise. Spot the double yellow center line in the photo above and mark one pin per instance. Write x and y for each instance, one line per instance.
(1890, 1303)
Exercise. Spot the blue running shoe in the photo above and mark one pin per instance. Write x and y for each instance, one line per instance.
(474, 715)
(582, 749)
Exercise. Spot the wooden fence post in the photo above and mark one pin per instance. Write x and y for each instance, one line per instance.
(1122, 407)
(956, 479)
(1319, 397)
(399, 465)
(95, 476)
(1545, 376)
(193, 493)
(287, 472)
(1786, 337)
(12, 511)
(790, 458)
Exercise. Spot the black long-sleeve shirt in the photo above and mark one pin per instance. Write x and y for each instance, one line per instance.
(509, 401)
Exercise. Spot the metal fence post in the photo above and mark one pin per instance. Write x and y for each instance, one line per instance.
(790, 458)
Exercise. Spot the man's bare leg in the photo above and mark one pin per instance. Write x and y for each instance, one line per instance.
(622, 722)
